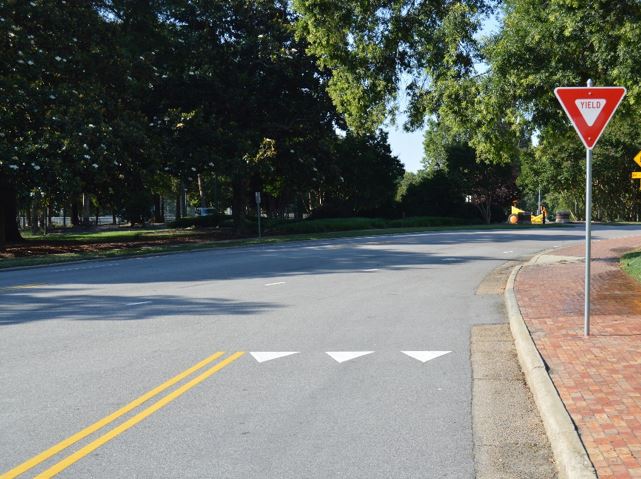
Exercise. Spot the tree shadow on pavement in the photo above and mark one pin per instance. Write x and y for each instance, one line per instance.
(38, 304)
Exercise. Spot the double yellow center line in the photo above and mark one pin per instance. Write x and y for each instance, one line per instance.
(95, 444)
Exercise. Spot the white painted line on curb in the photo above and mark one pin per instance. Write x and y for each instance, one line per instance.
(262, 356)
(425, 356)
(274, 284)
(342, 356)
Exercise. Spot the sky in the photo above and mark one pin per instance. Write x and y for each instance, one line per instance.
(407, 146)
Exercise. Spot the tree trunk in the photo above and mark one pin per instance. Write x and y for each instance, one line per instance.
(75, 219)
(44, 213)
(298, 212)
(86, 205)
(159, 216)
(201, 192)
(34, 217)
(183, 198)
(178, 209)
(9, 232)
(238, 204)
(3, 228)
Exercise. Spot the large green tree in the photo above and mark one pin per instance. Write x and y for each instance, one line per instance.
(542, 46)
(377, 49)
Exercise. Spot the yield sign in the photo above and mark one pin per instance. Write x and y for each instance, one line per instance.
(590, 109)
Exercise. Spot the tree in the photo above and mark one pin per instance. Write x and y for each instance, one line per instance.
(542, 46)
(367, 174)
(372, 47)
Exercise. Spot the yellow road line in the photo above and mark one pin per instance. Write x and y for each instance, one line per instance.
(53, 450)
(92, 446)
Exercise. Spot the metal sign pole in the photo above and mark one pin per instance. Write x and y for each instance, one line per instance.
(588, 233)
(588, 238)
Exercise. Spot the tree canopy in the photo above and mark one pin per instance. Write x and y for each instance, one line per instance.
(123, 101)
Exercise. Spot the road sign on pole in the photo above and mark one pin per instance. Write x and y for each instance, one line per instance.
(590, 110)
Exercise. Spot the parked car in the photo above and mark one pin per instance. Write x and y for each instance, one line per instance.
(206, 211)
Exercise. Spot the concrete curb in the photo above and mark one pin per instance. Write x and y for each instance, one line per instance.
(571, 457)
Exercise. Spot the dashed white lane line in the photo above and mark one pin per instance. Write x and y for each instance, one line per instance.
(425, 356)
(275, 284)
(506, 252)
(137, 303)
(263, 356)
(342, 356)
(371, 270)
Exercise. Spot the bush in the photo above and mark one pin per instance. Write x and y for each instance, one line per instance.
(360, 223)
(136, 207)
(209, 221)
(327, 225)
(427, 221)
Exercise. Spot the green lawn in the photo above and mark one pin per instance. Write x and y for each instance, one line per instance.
(109, 236)
(631, 264)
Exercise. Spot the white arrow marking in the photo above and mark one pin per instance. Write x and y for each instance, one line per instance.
(262, 356)
(342, 356)
(425, 356)
(590, 108)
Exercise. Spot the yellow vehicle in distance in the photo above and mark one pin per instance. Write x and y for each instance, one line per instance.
(519, 216)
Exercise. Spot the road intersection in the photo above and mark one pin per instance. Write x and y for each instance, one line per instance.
(379, 385)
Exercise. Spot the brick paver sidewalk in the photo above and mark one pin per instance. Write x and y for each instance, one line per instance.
(598, 378)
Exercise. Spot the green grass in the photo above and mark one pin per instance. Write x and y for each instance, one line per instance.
(269, 240)
(631, 264)
(108, 236)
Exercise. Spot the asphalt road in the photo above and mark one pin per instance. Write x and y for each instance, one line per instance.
(79, 342)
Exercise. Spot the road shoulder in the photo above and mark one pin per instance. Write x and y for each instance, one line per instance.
(509, 438)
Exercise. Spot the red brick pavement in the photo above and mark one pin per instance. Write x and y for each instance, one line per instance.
(598, 378)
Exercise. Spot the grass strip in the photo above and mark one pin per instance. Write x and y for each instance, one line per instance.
(631, 264)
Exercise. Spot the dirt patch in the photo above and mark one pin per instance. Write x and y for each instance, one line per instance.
(32, 248)
(494, 283)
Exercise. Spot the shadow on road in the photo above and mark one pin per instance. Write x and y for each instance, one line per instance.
(21, 306)
(70, 291)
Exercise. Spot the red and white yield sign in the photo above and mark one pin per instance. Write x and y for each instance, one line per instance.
(590, 109)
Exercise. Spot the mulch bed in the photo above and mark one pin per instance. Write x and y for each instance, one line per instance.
(30, 248)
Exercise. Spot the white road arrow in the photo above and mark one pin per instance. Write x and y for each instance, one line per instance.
(262, 356)
(425, 356)
(342, 356)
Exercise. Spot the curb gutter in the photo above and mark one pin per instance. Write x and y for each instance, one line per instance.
(571, 457)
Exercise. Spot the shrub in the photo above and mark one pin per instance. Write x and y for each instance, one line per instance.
(209, 221)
